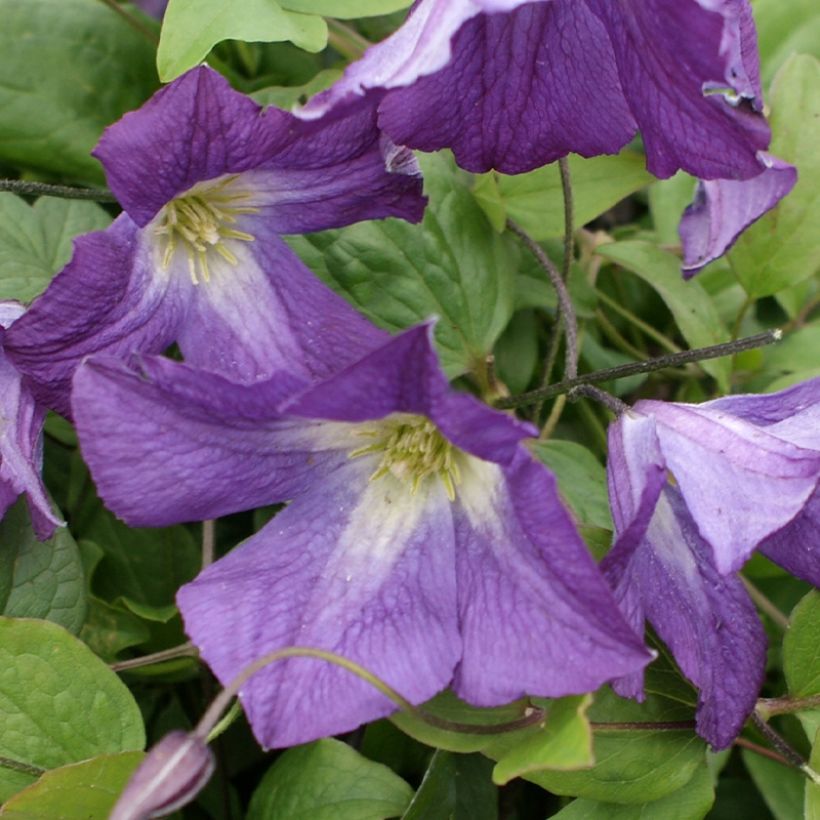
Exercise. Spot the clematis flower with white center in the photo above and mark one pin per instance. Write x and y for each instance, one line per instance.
(421, 539)
(695, 489)
(209, 181)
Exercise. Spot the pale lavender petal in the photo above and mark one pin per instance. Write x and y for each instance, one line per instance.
(704, 617)
(109, 298)
(404, 376)
(797, 546)
(363, 569)
(724, 208)
(536, 615)
(171, 775)
(197, 128)
(755, 482)
(168, 443)
(269, 313)
(668, 53)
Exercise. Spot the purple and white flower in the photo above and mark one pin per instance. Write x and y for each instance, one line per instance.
(421, 539)
(514, 85)
(695, 489)
(209, 181)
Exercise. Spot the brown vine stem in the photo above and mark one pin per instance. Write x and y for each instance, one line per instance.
(185, 650)
(649, 726)
(768, 707)
(762, 751)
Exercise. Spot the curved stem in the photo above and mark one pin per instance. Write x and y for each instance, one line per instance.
(791, 755)
(607, 399)
(26, 188)
(185, 650)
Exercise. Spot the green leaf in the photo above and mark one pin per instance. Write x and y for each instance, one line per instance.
(40, 579)
(68, 70)
(535, 200)
(59, 703)
(286, 96)
(191, 29)
(694, 312)
(781, 248)
(581, 479)
(782, 788)
(455, 787)
(448, 707)
(785, 28)
(691, 802)
(801, 656)
(345, 9)
(563, 742)
(82, 791)
(35, 241)
(667, 200)
(328, 780)
(452, 266)
(633, 765)
(812, 798)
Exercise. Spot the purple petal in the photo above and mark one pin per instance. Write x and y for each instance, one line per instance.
(154, 8)
(269, 313)
(536, 615)
(171, 775)
(360, 568)
(705, 618)
(204, 446)
(797, 546)
(109, 298)
(313, 175)
(724, 208)
(404, 376)
(755, 482)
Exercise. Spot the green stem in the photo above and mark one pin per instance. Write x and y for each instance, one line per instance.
(208, 542)
(26, 188)
(185, 650)
(647, 329)
(132, 21)
(346, 40)
(19, 766)
(765, 605)
(615, 336)
(638, 726)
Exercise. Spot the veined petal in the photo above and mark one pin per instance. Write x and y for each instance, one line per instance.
(363, 569)
(676, 60)
(724, 208)
(706, 618)
(109, 298)
(755, 482)
(536, 614)
(267, 312)
(205, 447)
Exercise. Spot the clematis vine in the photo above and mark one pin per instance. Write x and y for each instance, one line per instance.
(209, 181)
(21, 428)
(695, 489)
(421, 538)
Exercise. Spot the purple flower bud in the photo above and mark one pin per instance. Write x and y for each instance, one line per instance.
(171, 775)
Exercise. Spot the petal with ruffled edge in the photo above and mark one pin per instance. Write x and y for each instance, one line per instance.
(363, 569)
(204, 446)
(671, 54)
(755, 482)
(705, 618)
(533, 605)
(109, 298)
(724, 208)
(315, 175)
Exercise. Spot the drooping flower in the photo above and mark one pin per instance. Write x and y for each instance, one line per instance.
(209, 181)
(21, 429)
(744, 476)
(421, 538)
(514, 85)
(724, 208)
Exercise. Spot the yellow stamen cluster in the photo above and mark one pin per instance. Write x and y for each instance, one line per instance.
(412, 450)
(200, 222)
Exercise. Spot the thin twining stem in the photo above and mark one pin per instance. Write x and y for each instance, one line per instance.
(565, 308)
(634, 368)
(185, 650)
(208, 542)
(646, 726)
(745, 743)
(569, 229)
(767, 707)
(19, 766)
(26, 188)
(765, 605)
(132, 21)
(784, 748)
(607, 399)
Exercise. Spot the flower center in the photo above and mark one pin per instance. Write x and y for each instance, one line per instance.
(412, 449)
(200, 222)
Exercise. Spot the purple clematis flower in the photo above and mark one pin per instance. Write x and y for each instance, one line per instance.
(421, 538)
(745, 473)
(209, 181)
(153, 8)
(21, 427)
(514, 85)
(724, 208)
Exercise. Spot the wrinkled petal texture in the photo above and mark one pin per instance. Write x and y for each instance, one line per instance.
(533, 606)
(198, 128)
(514, 85)
(724, 208)
(362, 569)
